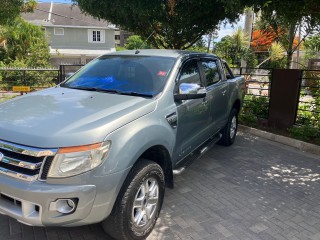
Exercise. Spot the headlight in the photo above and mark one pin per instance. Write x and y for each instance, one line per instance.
(71, 161)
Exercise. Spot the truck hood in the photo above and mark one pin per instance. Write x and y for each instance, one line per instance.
(59, 117)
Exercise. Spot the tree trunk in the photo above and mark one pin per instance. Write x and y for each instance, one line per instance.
(290, 50)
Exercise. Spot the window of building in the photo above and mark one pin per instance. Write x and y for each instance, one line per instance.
(58, 31)
(96, 36)
(117, 37)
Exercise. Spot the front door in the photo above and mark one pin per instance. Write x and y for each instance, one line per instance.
(193, 114)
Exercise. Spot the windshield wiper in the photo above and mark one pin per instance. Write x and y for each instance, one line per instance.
(94, 89)
(112, 91)
(137, 94)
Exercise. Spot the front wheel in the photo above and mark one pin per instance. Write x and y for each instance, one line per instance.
(139, 203)
(229, 132)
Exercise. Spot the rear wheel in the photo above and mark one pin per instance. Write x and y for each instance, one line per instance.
(229, 132)
(139, 203)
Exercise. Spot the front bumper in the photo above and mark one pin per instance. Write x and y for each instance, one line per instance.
(29, 203)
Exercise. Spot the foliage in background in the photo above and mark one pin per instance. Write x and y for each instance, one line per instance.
(254, 108)
(175, 24)
(277, 56)
(234, 48)
(309, 109)
(262, 41)
(34, 79)
(312, 49)
(10, 9)
(136, 42)
(305, 133)
(199, 46)
(312, 43)
(25, 43)
(287, 18)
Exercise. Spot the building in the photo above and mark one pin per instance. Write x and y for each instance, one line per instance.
(74, 37)
(121, 37)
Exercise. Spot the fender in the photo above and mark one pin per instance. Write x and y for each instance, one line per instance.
(132, 140)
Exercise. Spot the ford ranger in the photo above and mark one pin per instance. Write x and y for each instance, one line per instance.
(103, 145)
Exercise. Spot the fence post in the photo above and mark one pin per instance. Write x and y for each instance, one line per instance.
(60, 73)
(284, 97)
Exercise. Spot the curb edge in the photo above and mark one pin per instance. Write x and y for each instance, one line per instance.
(303, 146)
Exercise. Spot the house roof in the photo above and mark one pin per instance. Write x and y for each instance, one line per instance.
(60, 14)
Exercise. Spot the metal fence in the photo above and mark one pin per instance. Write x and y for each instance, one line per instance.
(66, 71)
(258, 85)
(309, 100)
(36, 79)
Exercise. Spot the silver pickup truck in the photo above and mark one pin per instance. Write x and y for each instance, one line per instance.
(103, 145)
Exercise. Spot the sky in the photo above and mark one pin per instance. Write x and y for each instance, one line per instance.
(224, 30)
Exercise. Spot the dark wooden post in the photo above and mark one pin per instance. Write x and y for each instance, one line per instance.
(284, 97)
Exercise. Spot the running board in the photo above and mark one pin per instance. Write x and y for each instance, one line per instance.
(207, 145)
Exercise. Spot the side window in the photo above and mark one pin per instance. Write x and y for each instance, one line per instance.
(189, 81)
(211, 71)
(190, 73)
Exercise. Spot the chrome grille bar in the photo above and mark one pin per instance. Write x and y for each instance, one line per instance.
(20, 163)
(18, 175)
(25, 150)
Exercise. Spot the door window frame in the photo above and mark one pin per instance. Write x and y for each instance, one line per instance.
(216, 60)
(202, 77)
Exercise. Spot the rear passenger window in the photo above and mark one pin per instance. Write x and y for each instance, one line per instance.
(211, 71)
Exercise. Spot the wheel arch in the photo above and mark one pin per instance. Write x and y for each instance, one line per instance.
(237, 105)
(161, 156)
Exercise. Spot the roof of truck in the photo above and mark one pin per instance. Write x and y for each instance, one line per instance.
(161, 53)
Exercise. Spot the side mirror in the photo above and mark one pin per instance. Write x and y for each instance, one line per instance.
(190, 91)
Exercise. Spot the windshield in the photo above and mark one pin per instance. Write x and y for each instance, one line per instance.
(134, 75)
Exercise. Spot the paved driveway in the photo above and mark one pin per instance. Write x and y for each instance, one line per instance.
(255, 189)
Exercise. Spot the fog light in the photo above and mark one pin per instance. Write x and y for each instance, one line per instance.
(64, 206)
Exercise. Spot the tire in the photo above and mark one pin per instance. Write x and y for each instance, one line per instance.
(229, 132)
(139, 202)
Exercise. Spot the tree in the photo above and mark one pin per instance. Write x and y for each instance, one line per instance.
(233, 48)
(24, 42)
(312, 43)
(175, 24)
(285, 32)
(10, 9)
(262, 40)
(289, 16)
(136, 42)
(312, 48)
(199, 46)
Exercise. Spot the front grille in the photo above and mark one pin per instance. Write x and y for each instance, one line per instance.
(25, 162)
(45, 168)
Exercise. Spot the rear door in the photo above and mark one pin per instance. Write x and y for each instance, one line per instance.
(217, 93)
